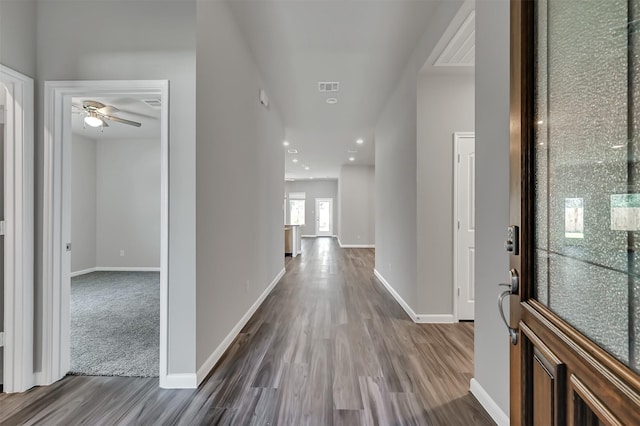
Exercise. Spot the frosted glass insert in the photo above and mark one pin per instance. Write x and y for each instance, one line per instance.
(587, 169)
(593, 300)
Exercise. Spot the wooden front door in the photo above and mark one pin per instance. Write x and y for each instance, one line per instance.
(575, 200)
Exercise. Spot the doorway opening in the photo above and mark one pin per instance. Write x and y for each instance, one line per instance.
(126, 244)
(115, 236)
(324, 217)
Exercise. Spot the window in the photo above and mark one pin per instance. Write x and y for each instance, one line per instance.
(296, 208)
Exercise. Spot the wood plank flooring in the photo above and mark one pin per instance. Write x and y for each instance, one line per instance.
(329, 346)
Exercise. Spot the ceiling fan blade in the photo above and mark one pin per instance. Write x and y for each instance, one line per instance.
(104, 123)
(122, 120)
(107, 110)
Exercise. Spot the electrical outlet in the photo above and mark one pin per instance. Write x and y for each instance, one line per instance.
(121, 253)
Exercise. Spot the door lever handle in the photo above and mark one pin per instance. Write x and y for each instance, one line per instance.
(513, 333)
(514, 287)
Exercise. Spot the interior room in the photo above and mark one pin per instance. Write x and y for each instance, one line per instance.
(115, 236)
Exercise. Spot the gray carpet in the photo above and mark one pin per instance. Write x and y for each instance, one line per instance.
(115, 324)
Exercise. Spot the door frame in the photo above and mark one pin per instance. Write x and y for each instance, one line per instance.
(317, 200)
(19, 237)
(56, 215)
(456, 165)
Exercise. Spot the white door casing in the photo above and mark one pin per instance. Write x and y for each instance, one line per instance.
(18, 238)
(324, 226)
(57, 212)
(464, 225)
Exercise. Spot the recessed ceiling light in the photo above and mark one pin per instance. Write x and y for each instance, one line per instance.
(352, 158)
(295, 160)
(307, 167)
(332, 101)
(311, 177)
(360, 141)
(285, 143)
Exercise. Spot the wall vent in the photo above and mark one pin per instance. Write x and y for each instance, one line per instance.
(328, 86)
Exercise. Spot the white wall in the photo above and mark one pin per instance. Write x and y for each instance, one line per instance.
(492, 195)
(83, 203)
(357, 206)
(18, 35)
(128, 203)
(313, 189)
(146, 41)
(445, 105)
(240, 181)
(396, 168)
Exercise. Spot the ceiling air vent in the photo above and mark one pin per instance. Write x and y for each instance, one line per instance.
(153, 103)
(328, 86)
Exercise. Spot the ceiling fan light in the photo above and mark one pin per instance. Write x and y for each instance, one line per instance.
(93, 121)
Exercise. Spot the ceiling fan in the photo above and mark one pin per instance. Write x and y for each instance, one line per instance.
(97, 114)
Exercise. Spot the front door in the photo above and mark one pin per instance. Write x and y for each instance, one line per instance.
(575, 206)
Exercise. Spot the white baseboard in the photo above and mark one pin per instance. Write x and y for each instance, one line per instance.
(435, 319)
(354, 245)
(417, 318)
(396, 296)
(208, 365)
(490, 406)
(117, 269)
(82, 272)
(179, 381)
(308, 236)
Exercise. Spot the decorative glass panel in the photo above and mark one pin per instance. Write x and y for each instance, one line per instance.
(587, 176)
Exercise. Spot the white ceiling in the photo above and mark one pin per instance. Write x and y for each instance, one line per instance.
(364, 45)
(131, 108)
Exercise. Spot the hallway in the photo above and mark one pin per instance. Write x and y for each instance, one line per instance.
(328, 346)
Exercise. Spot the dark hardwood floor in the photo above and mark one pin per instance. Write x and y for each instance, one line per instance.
(328, 346)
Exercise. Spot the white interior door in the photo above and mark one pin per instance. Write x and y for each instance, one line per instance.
(464, 274)
(324, 217)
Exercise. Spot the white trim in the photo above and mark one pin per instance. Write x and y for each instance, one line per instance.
(83, 272)
(116, 269)
(396, 296)
(357, 245)
(308, 236)
(490, 406)
(128, 268)
(435, 319)
(180, 381)
(456, 165)
(354, 245)
(208, 365)
(417, 318)
(18, 216)
(56, 208)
